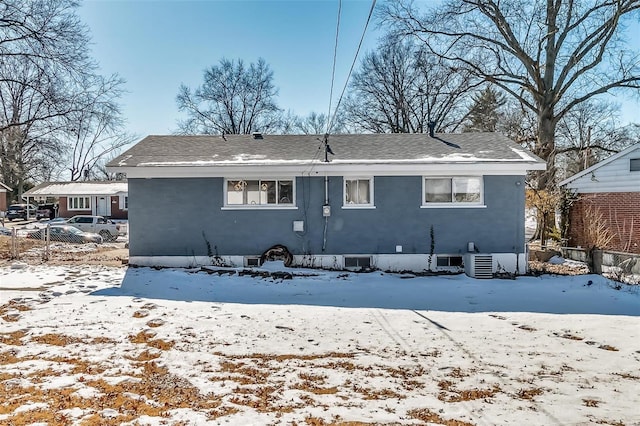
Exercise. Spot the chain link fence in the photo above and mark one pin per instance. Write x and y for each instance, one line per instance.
(37, 241)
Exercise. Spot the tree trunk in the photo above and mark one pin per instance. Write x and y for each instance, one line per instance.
(545, 179)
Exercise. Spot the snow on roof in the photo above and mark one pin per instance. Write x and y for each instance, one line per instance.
(57, 189)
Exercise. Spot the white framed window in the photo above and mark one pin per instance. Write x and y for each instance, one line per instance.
(452, 191)
(79, 203)
(358, 192)
(259, 192)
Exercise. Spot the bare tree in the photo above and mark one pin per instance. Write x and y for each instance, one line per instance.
(44, 69)
(550, 55)
(47, 39)
(589, 133)
(233, 99)
(96, 131)
(400, 87)
(26, 143)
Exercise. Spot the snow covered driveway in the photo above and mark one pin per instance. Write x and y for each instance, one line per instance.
(97, 345)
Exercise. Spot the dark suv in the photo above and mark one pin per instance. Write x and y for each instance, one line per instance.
(19, 211)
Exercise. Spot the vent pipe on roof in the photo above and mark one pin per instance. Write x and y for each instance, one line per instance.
(257, 135)
(432, 128)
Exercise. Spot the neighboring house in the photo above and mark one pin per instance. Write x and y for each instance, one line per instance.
(103, 198)
(389, 201)
(608, 194)
(4, 197)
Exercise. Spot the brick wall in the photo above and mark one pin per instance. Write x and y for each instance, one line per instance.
(116, 212)
(3, 200)
(63, 212)
(620, 215)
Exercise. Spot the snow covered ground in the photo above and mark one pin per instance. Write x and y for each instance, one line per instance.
(99, 345)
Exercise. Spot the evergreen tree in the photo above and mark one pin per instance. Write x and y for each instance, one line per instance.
(485, 112)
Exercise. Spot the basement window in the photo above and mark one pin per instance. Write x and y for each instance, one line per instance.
(251, 261)
(634, 165)
(357, 262)
(449, 261)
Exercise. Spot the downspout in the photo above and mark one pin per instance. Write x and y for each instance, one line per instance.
(324, 213)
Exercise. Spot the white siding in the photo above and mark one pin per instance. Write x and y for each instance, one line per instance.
(610, 177)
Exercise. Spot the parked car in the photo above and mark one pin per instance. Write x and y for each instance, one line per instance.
(46, 211)
(19, 211)
(99, 225)
(67, 234)
(5, 231)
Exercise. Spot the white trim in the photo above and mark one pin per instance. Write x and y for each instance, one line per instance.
(259, 207)
(600, 164)
(358, 207)
(453, 206)
(386, 262)
(519, 168)
(121, 203)
(478, 204)
(370, 204)
(90, 207)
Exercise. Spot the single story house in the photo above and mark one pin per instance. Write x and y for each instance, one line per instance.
(388, 201)
(4, 197)
(608, 194)
(103, 198)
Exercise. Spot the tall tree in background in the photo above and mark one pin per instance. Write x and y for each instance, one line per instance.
(400, 87)
(47, 80)
(589, 133)
(43, 45)
(233, 99)
(485, 112)
(550, 55)
(97, 131)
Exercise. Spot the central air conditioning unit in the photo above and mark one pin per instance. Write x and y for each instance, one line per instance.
(478, 265)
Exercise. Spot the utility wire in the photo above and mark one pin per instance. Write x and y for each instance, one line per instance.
(333, 69)
(364, 31)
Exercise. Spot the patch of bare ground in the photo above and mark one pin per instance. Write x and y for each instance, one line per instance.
(147, 337)
(590, 402)
(428, 416)
(450, 394)
(608, 348)
(536, 267)
(529, 394)
(316, 421)
(64, 254)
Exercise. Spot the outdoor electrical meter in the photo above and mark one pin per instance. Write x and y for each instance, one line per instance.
(326, 210)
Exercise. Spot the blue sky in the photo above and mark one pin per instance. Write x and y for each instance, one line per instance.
(157, 45)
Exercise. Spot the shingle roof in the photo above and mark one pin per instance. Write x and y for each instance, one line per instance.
(175, 150)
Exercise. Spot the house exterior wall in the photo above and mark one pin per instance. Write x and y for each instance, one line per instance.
(182, 217)
(64, 212)
(116, 208)
(3, 200)
(614, 176)
(618, 212)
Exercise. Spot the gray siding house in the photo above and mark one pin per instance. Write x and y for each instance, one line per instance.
(388, 201)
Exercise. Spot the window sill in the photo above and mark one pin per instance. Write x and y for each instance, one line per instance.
(357, 207)
(259, 207)
(453, 206)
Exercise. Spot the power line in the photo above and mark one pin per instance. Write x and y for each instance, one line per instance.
(355, 58)
(335, 56)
